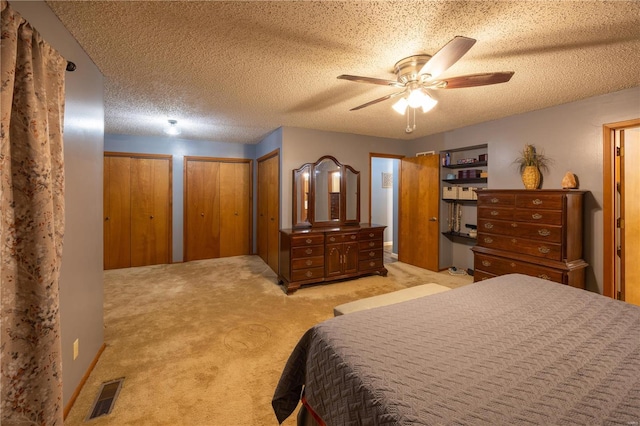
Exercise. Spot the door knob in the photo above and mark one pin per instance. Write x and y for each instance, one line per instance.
(151, 217)
(236, 213)
(107, 218)
(202, 214)
(433, 219)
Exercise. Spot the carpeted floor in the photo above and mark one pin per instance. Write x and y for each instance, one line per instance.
(204, 342)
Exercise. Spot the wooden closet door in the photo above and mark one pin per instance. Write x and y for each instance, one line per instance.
(117, 212)
(150, 211)
(269, 210)
(202, 210)
(235, 213)
(418, 240)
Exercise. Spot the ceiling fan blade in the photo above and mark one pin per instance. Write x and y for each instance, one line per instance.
(474, 80)
(375, 101)
(370, 80)
(447, 56)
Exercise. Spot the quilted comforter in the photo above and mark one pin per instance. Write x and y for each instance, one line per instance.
(510, 350)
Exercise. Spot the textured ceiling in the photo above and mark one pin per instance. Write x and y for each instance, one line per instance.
(235, 71)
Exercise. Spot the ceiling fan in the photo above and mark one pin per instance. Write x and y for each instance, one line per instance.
(418, 74)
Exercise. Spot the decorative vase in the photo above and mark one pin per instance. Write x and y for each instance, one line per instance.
(531, 177)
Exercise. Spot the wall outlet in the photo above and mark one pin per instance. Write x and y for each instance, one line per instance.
(75, 349)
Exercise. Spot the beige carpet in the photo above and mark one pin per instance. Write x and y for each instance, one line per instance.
(204, 343)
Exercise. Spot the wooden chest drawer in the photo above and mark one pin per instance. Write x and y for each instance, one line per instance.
(308, 262)
(526, 230)
(481, 275)
(371, 234)
(495, 213)
(308, 274)
(371, 244)
(521, 245)
(299, 252)
(549, 217)
(370, 264)
(341, 238)
(370, 254)
(502, 266)
(307, 240)
(497, 200)
(539, 201)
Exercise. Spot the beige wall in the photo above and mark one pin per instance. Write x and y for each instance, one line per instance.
(81, 273)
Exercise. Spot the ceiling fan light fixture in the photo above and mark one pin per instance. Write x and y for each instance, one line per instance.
(428, 103)
(416, 98)
(401, 106)
(172, 129)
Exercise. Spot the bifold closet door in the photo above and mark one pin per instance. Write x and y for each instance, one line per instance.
(202, 210)
(150, 211)
(269, 210)
(235, 213)
(117, 212)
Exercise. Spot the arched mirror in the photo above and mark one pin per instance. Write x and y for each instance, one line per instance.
(326, 193)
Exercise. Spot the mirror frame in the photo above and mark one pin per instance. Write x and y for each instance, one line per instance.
(298, 174)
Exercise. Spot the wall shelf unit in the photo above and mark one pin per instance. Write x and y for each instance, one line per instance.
(463, 171)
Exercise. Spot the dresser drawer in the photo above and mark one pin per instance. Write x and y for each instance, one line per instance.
(364, 265)
(308, 262)
(307, 240)
(521, 245)
(503, 266)
(371, 244)
(522, 229)
(497, 200)
(549, 217)
(307, 274)
(370, 254)
(539, 201)
(495, 213)
(482, 275)
(341, 238)
(298, 252)
(371, 234)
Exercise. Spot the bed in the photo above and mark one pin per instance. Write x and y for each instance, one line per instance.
(510, 350)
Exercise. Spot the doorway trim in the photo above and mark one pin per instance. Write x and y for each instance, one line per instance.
(373, 155)
(608, 189)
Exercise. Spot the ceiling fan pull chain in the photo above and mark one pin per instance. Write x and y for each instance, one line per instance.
(411, 120)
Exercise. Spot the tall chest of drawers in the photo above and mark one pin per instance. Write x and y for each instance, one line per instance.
(316, 255)
(531, 232)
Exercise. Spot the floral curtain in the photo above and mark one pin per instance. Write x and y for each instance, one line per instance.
(31, 224)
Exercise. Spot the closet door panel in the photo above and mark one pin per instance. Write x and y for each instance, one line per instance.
(273, 212)
(150, 211)
(117, 212)
(263, 212)
(235, 215)
(202, 210)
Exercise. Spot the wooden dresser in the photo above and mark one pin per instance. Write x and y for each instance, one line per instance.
(531, 232)
(315, 255)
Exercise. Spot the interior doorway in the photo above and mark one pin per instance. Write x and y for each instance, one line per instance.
(384, 180)
(622, 211)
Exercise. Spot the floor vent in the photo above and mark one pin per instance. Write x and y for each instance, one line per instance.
(106, 398)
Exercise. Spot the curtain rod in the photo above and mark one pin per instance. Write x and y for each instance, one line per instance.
(71, 66)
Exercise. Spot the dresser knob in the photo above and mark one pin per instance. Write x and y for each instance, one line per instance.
(488, 240)
(513, 265)
(308, 240)
(514, 225)
(544, 276)
(371, 244)
(488, 225)
(544, 232)
(309, 262)
(495, 213)
(372, 253)
(353, 237)
(332, 239)
(308, 251)
(544, 250)
(495, 200)
(372, 264)
(486, 263)
(537, 201)
(371, 235)
(514, 241)
(309, 274)
(536, 216)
